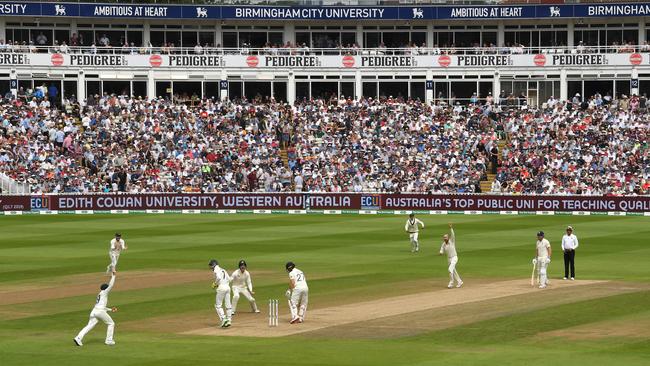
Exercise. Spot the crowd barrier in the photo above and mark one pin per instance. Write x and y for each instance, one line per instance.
(305, 202)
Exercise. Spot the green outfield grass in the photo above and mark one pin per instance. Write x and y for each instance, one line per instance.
(347, 259)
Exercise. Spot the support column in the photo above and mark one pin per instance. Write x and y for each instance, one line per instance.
(496, 85)
(13, 82)
(218, 35)
(428, 89)
(570, 40)
(360, 36)
(501, 34)
(3, 28)
(151, 86)
(430, 38)
(642, 37)
(81, 88)
(289, 33)
(564, 86)
(223, 92)
(635, 75)
(146, 34)
(358, 86)
(291, 88)
(73, 28)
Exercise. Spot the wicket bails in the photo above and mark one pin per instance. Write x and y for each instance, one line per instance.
(273, 312)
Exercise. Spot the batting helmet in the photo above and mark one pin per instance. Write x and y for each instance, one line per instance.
(242, 263)
(540, 233)
(213, 263)
(290, 266)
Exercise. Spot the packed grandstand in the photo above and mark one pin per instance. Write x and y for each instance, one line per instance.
(115, 143)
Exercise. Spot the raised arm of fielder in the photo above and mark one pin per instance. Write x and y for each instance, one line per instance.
(111, 283)
(452, 235)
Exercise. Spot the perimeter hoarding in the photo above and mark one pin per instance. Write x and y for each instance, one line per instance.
(324, 201)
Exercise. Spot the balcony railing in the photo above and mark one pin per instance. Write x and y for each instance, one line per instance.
(304, 51)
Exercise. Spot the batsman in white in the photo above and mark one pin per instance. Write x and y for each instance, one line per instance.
(449, 246)
(542, 258)
(298, 293)
(117, 246)
(100, 312)
(222, 285)
(242, 284)
(412, 227)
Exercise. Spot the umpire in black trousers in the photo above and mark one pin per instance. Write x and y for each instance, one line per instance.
(569, 246)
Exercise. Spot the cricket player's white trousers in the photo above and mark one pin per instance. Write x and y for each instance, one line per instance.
(453, 274)
(115, 256)
(542, 264)
(244, 291)
(223, 298)
(298, 303)
(415, 245)
(95, 317)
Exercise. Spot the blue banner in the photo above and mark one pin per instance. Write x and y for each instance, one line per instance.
(197, 11)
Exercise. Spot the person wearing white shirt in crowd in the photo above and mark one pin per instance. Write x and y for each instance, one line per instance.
(117, 246)
(542, 258)
(100, 312)
(242, 284)
(569, 246)
(297, 293)
(222, 285)
(449, 246)
(412, 227)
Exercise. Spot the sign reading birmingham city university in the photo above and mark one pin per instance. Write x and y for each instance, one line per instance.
(203, 62)
(360, 13)
(324, 201)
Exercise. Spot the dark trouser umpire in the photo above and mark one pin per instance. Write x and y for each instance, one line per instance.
(569, 260)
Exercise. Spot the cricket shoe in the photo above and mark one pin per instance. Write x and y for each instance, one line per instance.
(257, 311)
(542, 286)
(573, 279)
(450, 285)
(77, 341)
(459, 284)
(110, 343)
(294, 320)
(223, 323)
(301, 320)
(232, 314)
(227, 324)
(565, 278)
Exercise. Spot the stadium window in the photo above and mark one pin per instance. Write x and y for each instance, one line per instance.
(93, 87)
(371, 39)
(117, 87)
(280, 91)
(134, 37)
(324, 89)
(467, 39)
(206, 38)
(441, 89)
(369, 89)
(139, 89)
(189, 39)
(348, 38)
(62, 35)
(302, 90)
(347, 90)
(417, 90)
(275, 38)
(157, 38)
(173, 37)
(163, 89)
(622, 88)
(230, 40)
(488, 38)
(235, 89)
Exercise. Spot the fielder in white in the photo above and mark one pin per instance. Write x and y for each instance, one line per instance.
(100, 312)
(449, 246)
(413, 227)
(298, 293)
(242, 284)
(222, 285)
(542, 258)
(117, 246)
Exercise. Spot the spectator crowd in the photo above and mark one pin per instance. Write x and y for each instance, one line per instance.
(116, 143)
